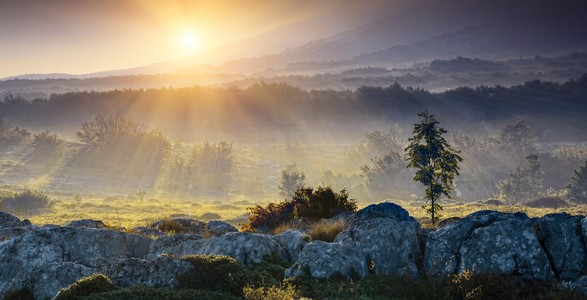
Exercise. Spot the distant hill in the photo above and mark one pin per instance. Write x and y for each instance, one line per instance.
(549, 29)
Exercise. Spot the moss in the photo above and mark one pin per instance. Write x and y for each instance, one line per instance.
(171, 226)
(462, 286)
(94, 284)
(142, 292)
(22, 294)
(223, 273)
(272, 293)
(211, 272)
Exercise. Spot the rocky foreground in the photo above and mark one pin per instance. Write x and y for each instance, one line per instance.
(381, 239)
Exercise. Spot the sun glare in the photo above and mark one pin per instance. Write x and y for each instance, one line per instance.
(189, 41)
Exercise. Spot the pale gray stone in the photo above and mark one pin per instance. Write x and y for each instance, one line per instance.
(217, 228)
(321, 259)
(487, 242)
(561, 236)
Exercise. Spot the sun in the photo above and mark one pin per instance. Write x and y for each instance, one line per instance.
(189, 41)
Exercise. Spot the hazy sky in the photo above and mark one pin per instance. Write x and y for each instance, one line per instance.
(83, 36)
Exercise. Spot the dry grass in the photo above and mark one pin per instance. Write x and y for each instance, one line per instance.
(326, 231)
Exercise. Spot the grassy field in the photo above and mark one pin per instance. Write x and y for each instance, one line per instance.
(253, 181)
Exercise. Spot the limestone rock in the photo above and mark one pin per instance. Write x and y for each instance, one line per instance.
(487, 242)
(292, 241)
(45, 281)
(383, 239)
(7, 233)
(388, 238)
(561, 235)
(245, 247)
(187, 225)
(160, 272)
(159, 246)
(584, 227)
(10, 220)
(322, 259)
(217, 228)
(148, 231)
(86, 223)
(45, 246)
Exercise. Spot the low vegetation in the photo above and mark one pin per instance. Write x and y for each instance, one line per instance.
(307, 203)
(326, 231)
(27, 202)
(87, 286)
(218, 277)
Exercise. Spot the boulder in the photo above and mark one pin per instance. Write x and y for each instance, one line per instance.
(487, 242)
(584, 228)
(160, 245)
(148, 231)
(292, 241)
(245, 247)
(448, 221)
(187, 225)
(161, 272)
(217, 228)
(87, 223)
(54, 245)
(7, 233)
(321, 259)
(388, 238)
(383, 239)
(45, 281)
(561, 236)
(10, 220)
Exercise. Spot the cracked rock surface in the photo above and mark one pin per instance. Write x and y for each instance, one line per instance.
(488, 242)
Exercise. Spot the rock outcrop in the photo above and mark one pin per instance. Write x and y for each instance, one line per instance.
(245, 247)
(383, 239)
(561, 236)
(87, 223)
(10, 220)
(217, 228)
(162, 271)
(293, 242)
(487, 242)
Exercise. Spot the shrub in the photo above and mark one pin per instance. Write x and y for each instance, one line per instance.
(26, 202)
(288, 292)
(10, 134)
(309, 203)
(578, 186)
(523, 182)
(290, 181)
(171, 226)
(210, 216)
(22, 294)
(119, 145)
(322, 203)
(326, 231)
(224, 273)
(94, 284)
(141, 292)
(211, 272)
(460, 286)
(209, 165)
(548, 202)
(47, 144)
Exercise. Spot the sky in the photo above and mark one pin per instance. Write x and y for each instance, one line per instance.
(85, 36)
